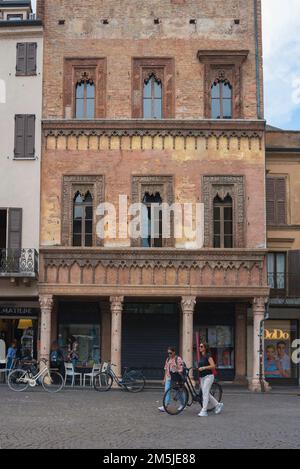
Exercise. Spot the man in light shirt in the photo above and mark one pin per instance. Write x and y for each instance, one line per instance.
(284, 360)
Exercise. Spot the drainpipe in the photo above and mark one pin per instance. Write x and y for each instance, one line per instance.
(261, 348)
(257, 59)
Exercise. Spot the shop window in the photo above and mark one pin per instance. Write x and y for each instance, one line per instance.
(152, 221)
(223, 222)
(277, 273)
(279, 344)
(80, 322)
(83, 220)
(221, 342)
(152, 98)
(221, 100)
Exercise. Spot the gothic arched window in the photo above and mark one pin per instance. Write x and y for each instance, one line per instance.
(152, 98)
(223, 222)
(221, 100)
(85, 100)
(83, 219)
(152, 223)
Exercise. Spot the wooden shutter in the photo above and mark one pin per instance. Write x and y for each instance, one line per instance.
(294, 274)
(14, 228)
(20, 123)
(276, 201)
(271, 217)
(280, 193)
(31, 58)
(30, 136)
(21, 59)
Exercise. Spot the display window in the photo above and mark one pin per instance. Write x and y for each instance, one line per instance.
(279, 337)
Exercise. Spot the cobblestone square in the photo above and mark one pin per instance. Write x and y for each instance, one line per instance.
(117, 420)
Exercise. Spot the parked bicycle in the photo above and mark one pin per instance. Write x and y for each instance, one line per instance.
(184, 394)
(20, 379)
(132, 380)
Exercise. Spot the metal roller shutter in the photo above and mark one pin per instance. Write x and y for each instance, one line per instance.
(146, 336)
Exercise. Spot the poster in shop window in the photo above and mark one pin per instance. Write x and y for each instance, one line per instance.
(278, 349)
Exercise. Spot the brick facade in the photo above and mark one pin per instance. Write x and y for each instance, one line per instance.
(186, 148)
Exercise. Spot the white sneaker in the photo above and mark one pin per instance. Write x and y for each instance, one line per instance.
(161, 409)
(203, 414)
(181, 408)
(219, 408)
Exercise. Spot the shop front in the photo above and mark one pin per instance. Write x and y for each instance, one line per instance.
(215, 324)
(147, 332)
(282, 350)
(19, 323)
(80, 322)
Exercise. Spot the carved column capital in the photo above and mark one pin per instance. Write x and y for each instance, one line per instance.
(116, 304)
(188, 304)
(46, 302)
(259, 305)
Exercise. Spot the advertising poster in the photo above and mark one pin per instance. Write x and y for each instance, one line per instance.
(278, 352)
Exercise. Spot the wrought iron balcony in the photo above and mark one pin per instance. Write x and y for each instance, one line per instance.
(283, 285)
(18, 263)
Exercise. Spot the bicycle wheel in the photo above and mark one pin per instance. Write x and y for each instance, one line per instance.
(134, 381)
(175, 399)
(103, 382)
(53, 382)
(18, 380)
(217, 392)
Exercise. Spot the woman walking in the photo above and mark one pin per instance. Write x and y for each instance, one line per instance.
(173, 366)
(206, 368)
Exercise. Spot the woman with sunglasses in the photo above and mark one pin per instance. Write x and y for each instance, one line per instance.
(174, 364)
(206, 368)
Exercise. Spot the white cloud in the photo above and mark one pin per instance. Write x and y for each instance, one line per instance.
(281, 26)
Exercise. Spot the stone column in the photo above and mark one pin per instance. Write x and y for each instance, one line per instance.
(188, 306)
(116, 305)
(241, 343)
(258, 316)
(46, 304)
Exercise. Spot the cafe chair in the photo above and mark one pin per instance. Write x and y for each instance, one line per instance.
(70, 373)
(90, 376)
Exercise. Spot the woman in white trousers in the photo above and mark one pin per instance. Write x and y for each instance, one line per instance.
(206, 367)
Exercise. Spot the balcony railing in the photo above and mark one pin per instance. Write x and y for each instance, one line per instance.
(284, 285)
(18, 263)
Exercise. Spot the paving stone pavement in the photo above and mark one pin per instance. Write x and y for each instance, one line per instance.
(86, 419)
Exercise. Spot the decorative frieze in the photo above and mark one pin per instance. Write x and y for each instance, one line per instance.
(166, 268)
(148, 135)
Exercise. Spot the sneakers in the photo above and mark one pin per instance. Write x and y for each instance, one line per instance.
(203, 414)
(181, 408)
(219, 408)
(161, 409)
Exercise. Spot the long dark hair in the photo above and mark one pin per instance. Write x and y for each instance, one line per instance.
(207, 347)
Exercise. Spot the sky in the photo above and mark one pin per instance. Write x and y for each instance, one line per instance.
(281, 42)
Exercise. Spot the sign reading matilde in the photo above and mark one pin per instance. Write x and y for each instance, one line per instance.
(18, 311)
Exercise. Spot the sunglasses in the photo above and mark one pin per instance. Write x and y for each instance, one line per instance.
(201, 346)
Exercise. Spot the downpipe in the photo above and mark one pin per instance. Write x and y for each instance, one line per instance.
(261, 348)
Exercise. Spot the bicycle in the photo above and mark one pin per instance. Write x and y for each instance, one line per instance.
(184, 394)
(20, 379)
(132, 381)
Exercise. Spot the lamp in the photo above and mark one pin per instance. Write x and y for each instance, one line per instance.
(25, 324)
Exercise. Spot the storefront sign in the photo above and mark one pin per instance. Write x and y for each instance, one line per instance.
(11, 311)
(276, 334)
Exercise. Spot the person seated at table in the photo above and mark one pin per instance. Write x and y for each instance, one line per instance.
(57, 358)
